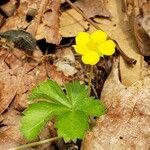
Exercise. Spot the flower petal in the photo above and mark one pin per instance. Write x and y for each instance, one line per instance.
(82, 38)
(107, 48)
(98, 36)
(91, 58)
(80, 49)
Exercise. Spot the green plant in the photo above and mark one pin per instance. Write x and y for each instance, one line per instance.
(71, 110)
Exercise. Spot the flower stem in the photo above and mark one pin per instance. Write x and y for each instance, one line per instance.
(90, 79)
(34, 143)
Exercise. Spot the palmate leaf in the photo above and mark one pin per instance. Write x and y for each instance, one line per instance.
(36, 116)
(76, 92)
(71, 110)
(92, 107)
(72, 125)
(51, 91)
(78, 96)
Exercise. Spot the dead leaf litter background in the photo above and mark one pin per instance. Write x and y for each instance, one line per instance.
(54, 24)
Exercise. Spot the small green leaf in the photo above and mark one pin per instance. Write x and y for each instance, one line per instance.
(72, 125)
(51, 91)
(76, 92)
(36, 116)
(92, 107)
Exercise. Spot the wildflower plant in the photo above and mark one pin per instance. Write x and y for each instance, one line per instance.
(72, 108)
(92, 47)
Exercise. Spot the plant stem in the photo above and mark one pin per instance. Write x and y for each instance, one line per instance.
(34, 143)
(90, 79)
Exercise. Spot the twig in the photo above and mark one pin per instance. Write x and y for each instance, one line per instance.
(34, 144)
(129, 60)
(39, 15)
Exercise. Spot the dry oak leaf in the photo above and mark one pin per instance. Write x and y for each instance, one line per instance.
(18, 78)
(46, 23)
(94, 8)
(138, 12)
(127, 122)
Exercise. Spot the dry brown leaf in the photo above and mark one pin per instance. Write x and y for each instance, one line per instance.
(45, 25)
(7, 80)
(10, 135)
(9, 8)
(18, 20)
(17, 78)
(65, 62)
(126, 124)
(138, 12)
(71, 22)
(96, 8)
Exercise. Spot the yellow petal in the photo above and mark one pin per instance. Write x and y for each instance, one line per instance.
(91, 58)
(107, 48)
(98, 36)
(80, 49)
(82, 38)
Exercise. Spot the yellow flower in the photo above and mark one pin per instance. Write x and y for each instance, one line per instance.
(88, 58)
(93, 46)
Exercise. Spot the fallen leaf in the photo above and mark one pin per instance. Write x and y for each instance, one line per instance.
(66, 62)
(139, 18)
(46, 26)
(8, 86)
(18, 19)
(71, 22)
(45, 23)
(9, 8)
(96, 8)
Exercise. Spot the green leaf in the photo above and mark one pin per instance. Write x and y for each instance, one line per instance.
(78, 95)
(51, 91)
(92, 107)
(72, 125)
(36, 116)
(76, 92)
(71, 110)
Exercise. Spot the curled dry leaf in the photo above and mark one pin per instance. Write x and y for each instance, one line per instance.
(17, 78)
(9, 8)
(66, 62)
(126, 124)
(138, 12)
(96, 8)
(7, 80)
(44, 23)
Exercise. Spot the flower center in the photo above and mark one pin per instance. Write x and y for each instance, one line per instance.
(92, 46)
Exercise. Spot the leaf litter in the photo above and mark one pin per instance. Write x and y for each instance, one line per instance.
(18, 76)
